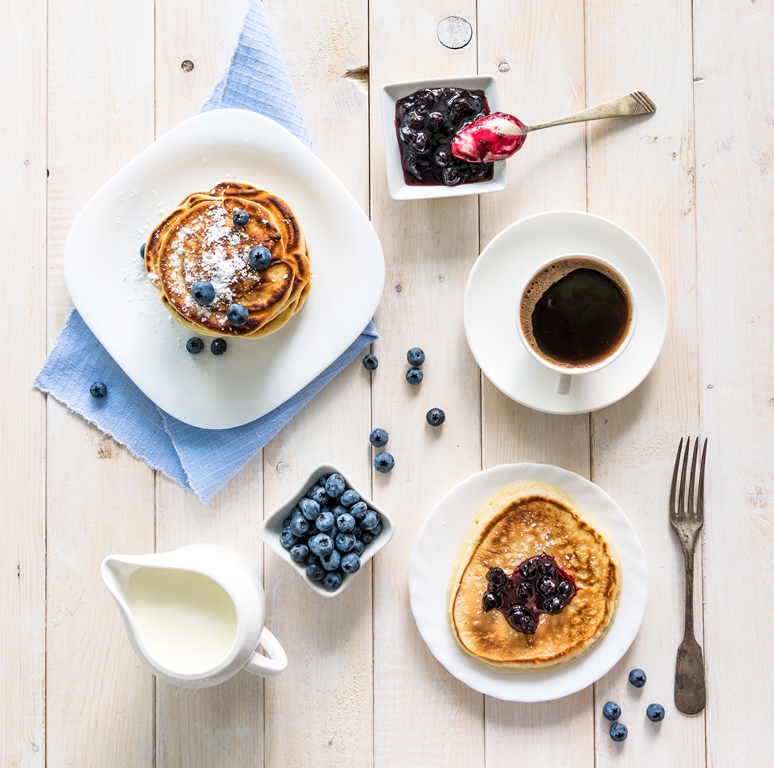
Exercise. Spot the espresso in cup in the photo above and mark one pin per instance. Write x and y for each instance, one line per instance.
(576, 312)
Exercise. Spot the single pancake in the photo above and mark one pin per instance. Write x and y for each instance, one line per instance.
(521, 521)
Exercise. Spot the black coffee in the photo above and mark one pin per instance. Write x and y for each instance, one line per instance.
(576, 312)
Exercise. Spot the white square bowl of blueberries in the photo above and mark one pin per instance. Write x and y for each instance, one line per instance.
(327, 531)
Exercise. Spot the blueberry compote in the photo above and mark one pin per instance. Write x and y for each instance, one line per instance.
(426, 122)
(537, 586)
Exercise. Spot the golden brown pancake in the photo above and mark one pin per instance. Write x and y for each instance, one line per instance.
(521, 521)
(199, 241)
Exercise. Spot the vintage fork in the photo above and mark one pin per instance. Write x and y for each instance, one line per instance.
(686, 520)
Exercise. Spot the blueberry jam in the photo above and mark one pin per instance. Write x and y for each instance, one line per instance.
(536, 586)
(426, 121)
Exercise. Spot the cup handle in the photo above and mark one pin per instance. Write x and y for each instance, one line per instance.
(275, 660)
(563, 383)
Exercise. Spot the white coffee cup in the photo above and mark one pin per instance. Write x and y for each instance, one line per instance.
(566, 371)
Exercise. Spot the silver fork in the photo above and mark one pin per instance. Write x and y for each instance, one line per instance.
(686, 520)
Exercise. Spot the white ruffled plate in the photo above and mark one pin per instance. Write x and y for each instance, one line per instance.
(435, 554)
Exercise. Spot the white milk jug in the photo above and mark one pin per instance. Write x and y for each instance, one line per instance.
(194, 615)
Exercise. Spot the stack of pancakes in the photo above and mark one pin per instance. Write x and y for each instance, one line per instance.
(521, 521)
(199, 242)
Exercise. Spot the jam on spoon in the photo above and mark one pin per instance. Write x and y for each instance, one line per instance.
(536, 586)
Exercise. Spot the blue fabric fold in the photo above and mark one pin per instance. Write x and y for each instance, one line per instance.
(201, 460)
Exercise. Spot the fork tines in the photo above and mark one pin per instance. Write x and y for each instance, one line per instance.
(696, 510)
(644, 104)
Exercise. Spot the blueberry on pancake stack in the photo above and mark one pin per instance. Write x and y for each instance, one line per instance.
(230, 262)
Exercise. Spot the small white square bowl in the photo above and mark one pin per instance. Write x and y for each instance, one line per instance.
(272, 528)
(396, 183)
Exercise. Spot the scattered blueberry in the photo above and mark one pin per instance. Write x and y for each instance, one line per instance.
(331, 560)
(259, 257)
(618, 732)
(332, 580)
(218, 346)
(98, 389)
(142, 251)
(321, 544)
(415, 356)
(299, 553)
(348, 498)
(194, 345)
(655, 713)
(414, 376)
(334, 486)
(345, 542)
(316, 572)
(309, 508)
(287, 539)
(370, 521)
(345, 522)
(241, 218)
(611, 711)
(379, 437)
(435, 417)
(299, 526)
(350, 563)
(324, 521)
(237, 315)
(203, 292)
(370, 362)
(384, 462)
(358, 510)
(637, 678)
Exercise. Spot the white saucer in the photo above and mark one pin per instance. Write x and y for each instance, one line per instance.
(435, 554)
(493, 292)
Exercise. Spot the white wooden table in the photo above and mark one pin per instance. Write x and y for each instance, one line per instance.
(87, 85)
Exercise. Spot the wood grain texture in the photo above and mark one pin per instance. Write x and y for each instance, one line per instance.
(100, 499)
(734, 150)
(320, 711)
(22, 410)
(422, 715)
(634, 441)
(539, 66)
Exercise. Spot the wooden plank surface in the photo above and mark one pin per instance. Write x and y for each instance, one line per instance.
(89, 85)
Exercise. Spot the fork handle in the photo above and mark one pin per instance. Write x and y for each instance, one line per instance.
(690, 687)
(636, 103)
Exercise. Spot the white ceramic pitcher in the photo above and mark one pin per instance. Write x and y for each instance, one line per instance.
(194, 615)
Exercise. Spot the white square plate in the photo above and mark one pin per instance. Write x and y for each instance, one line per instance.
(108, 285)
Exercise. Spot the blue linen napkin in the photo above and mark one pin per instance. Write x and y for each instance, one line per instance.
(201, 460)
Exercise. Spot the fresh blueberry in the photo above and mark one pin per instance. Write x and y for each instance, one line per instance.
(218, 346)
(312, 558)
(287, 539)
(370, 362)
(370, 521)
(384, 462)
(334, 486)
(435, 417)
(356, 531)
(98, 389)
(259, 257)
(366, 537)
(345, 522)
(655, 713)
(324, 521)
(377, 529)
(203, 292)
(358, 510)
(332, 580)
(414, 376)
(286, 522)
(415, 356)
(350, 563)
(142, 251)
(309, 508)
(618, 732)
(194, 345)
(315, 572)
(379, 437)
(241, 218)
(299, 553)
(321, 544)
(637, 678)
(359, 547)
(345, 542)
(317, 494)
(299, 526)
(348, 498)
(237, 315)
(331, 561)
(611, 711)
(322, 480)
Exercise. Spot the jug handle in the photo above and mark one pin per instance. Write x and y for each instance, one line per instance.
(275, 660)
